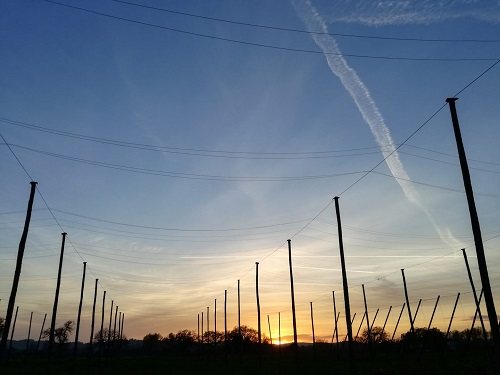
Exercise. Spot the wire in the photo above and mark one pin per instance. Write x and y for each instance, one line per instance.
(264, 45)
(305, 31)
(191, 176)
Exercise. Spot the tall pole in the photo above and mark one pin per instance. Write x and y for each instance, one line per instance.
(123, 323)
(110, 320)
(102, 321)
(344, 278)
(312, 325)
(366, 314)
(41, 333)
(239, 312)
(13, 329)
(198, 328)
(17, 272)
(269, 326)
(407, 301)
(208, 324)
(202, 327)
(225, 324)
(93, 317)
(29, 333)
(336, 331)
(475, 296)
(80, 309)
(476, 229)
(294, 320)
(258, 301)
(452, 315)
(119, 325)
(215, 323)
(114, 325)
(56, 298)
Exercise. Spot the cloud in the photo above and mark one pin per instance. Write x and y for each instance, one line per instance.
(392, 12)
(366, 106)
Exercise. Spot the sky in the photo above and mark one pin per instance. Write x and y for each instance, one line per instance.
(178, 143)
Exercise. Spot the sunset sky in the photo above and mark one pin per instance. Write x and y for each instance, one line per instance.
(180, 142)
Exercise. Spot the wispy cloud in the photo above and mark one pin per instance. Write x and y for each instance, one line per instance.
(393, 12)
(366, 106)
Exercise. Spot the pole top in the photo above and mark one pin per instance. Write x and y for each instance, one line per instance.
(451, 100)
(336, 198)
(33, 182)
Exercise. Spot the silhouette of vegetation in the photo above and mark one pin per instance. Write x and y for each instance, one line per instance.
(61, 334)
(377, 336)
(114, 336)
(432, 339)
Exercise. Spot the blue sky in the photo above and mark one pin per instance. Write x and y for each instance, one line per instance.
(187, 158)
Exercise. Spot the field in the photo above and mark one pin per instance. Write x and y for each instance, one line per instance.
(269, 363)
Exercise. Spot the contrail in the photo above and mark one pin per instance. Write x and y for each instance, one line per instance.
(366, 105)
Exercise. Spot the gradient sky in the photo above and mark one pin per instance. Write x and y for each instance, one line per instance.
(179, 153)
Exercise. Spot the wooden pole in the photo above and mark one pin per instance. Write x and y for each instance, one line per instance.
(269, 326)
(41, 333)
(13, 329)
(473, 323)
(475, 296)
(29, 334)
(294, 319)
(452, 315)
(208, 324)
(119, 325)
(416, 311)
(335, 318)
(313, 335)
(366, 314)
(56, 298)
(225, 325)
(386, 319)
(202, 327)
(397, 323)
(17, 272)
(258, 301)
(114, 325)
(476, 228)
(77, 332)
(239, 312)
(93, 318)
(102, 322)
(344, 279)
(215, 323)
(373, 321)
(360, 325)
(110, 321)
(412, 329)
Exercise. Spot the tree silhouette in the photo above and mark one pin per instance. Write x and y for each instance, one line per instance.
(376, 335)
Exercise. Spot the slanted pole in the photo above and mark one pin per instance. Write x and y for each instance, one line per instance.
(239, 311)
(93, 318)
(269, 326)
(77, 331)
(110, 321)
(366, 314)
(397, 323)
(123, 323)
(312, 324)
(294, 319)
(412, 329)
(373, 321)
(433, 312)
(475, 296)
(360, 325)
(416, 311)
(452, 315)
(258, 301)
(29, 334)
(114, 325)
(225, 325)
(476, 228)
(385, 323)
(56, 298)
(13, 329)
(344, 279)
(473, 323)
(17, 272)
(41, 333)
(119, 325)
(102, 322)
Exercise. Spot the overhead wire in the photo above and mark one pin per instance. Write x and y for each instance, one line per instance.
(261, 45)
(306, 31)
